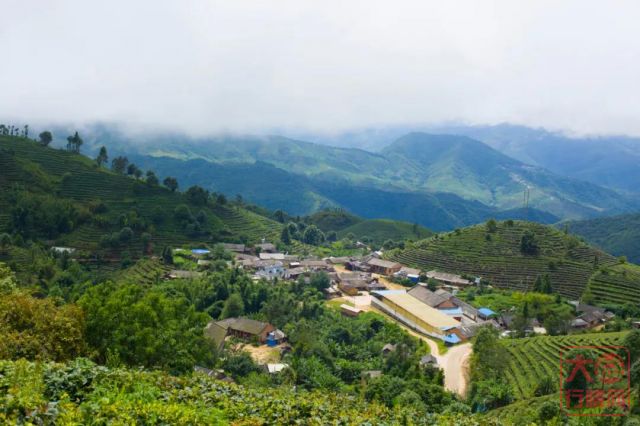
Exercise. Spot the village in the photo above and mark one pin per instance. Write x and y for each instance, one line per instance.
(424, 303)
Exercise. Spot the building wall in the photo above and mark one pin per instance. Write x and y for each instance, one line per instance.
(414, 319)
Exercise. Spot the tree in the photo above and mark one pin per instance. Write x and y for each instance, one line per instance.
(197, 195)
(313, 235)
(37, 329)
(143, 326)
(119, 164)
(171, 183)
(284, 236)
(529, 243)
(233, 307)
(320, 281)
(132, 169)
(5, 241)
(102, 157)
(546, 284)
(125, 235)
(632, 342)
(432, 284)
(152, 179)
(146, 242)
(167, 256)
(74, 142)
(537, 285)
(45, 138)
(492, 226)
(7, 280)
(279, 216)
(489, 357)
(332, 236)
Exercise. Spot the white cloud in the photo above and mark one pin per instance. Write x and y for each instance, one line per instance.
(206, 66)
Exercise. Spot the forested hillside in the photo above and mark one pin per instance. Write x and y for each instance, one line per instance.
(618, 235)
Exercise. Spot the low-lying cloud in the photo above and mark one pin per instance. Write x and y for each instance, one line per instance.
(252, 66)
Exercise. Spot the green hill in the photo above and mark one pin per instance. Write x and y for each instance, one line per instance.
(380, 230)
(63, 197)
(618, 235)
(497, 257)
(375, 230)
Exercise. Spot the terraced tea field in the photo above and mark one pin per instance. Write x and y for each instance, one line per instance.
(75, 177)
(534, 358)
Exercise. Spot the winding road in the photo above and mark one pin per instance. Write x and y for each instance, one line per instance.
(455, 364)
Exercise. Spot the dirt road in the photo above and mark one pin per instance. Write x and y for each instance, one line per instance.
(455, 362)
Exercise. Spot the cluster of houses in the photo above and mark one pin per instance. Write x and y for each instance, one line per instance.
(434, 312)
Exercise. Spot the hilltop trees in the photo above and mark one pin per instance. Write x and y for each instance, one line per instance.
(197, 195)
(102, 157)
(152, 179)
(119, 164)
(74, 143)
(171, 183)
(45, 138)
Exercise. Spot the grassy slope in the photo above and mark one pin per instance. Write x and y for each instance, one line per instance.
(570, 264)
(619, 235)
(46, 170)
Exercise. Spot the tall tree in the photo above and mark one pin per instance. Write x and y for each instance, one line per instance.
(233, 307)
(74, 143)
(284, 236)
(45, 138)
(102, 157)
(119, 164)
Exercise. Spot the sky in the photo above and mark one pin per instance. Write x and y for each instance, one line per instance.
(323, 66)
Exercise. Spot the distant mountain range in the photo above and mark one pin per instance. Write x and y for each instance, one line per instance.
(608, 160)
(440, 181)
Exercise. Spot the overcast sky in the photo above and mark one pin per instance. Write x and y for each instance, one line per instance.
(250, 66)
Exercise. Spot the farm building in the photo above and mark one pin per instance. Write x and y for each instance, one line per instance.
(418, 315)
(445, 301)
(271, 256)
(449, 279)
(236, 248)
(266, 248)
(246, 328)
(350, 311)
(383, 267)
